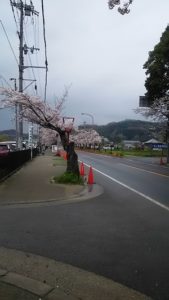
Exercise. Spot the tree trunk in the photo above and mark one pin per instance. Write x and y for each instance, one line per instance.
(72, 160)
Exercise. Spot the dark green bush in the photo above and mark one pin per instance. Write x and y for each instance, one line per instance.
(69, 178)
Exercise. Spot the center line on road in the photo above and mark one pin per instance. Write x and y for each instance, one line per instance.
(131, 189)
(155, 173)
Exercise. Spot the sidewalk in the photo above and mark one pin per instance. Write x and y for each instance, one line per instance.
(25, 276)
(32, 184)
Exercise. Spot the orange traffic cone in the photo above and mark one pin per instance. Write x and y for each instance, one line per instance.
(82, 169)
(64, 155)
(90, 176)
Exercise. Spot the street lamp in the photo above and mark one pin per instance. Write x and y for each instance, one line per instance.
(15, 87)
(91, 116)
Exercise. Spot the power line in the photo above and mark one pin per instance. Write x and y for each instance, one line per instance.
(44, 37)
(25, 10)
(26, 41)
(38, 33)
(18, 16)
(34, 32)
(36, 42)
(29, 72)
(14, 17)
(29, 57)
(9, 43)
(40, 85)
(3, 78)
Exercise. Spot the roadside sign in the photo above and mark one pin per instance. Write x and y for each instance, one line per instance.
(159, 146)
(143, 101)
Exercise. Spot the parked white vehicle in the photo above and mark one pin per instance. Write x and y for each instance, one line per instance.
(10, 145)
(108, 147)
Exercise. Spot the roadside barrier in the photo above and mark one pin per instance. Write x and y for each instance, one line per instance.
(15, 160)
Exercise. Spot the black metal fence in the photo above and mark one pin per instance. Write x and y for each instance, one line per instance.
(14, 160)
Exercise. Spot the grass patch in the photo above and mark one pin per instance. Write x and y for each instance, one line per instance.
(121, 153)
(68, 178)
(59, 161)
(145, 153)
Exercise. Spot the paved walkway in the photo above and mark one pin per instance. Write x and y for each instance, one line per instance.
(24, 276)
(32, 183)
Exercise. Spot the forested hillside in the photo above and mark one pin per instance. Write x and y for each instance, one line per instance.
(118, 131)
(129, 130)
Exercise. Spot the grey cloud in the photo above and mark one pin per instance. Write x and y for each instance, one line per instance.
(97, 50)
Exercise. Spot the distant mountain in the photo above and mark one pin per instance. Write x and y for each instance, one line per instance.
(128, 130)
(117, 131)
(10, 134)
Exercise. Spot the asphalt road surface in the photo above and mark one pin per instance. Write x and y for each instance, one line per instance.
(141, 176)
(123, 234)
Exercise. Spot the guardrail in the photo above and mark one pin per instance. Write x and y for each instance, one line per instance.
(14, 160)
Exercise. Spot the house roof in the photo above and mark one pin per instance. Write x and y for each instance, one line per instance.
(152, 141)
(131, 142)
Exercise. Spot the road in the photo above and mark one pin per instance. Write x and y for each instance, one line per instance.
(139, 175)
(122, 234)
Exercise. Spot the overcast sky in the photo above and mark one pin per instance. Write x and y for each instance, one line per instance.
(97, 51)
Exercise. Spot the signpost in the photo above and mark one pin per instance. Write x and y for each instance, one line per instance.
(143, 101)
(30, 139)
(159, 146)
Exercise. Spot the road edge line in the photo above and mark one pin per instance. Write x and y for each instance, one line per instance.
(132, 189)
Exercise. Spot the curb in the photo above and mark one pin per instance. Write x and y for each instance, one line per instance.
(89, 192)
(33, 286)
(52, 280)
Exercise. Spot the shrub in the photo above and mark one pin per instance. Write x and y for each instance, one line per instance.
(121, 154)
(68, 178)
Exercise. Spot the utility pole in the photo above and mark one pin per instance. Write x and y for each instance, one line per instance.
(21, 64)
(25, 10)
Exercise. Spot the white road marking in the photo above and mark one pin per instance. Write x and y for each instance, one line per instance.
(144, 170)
(131, 189)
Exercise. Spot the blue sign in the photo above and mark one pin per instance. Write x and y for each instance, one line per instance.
(159, 146)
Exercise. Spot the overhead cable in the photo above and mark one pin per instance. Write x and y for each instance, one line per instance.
(14, 17)
(44, 37)
(29, 57)
(9, 43)
(36, 42)
(3, 78)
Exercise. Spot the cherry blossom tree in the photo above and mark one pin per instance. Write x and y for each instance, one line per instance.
(48, 136)
(38, 112)
(123, 7)
(83, 138)
(159, 109)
